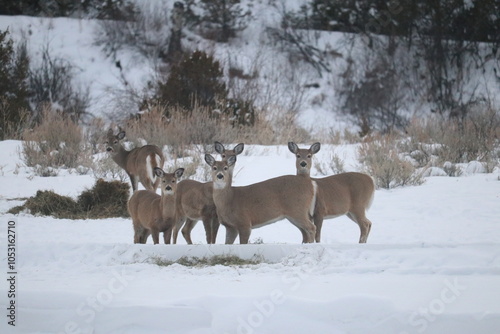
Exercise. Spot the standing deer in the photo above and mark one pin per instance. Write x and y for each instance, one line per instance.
(240, 209)
(348, 194)
(152, 213)
(195, 202)
(139, 163)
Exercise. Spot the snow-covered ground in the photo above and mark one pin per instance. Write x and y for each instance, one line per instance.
(431, 264)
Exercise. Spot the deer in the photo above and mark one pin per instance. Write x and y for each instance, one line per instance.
(152, 213)
(138, 163)
(241, 209)
(195, 202)
(348, 194)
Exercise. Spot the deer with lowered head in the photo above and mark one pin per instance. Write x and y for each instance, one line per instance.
(195, 202)
(348, 194)
(138, 163)
(152, 213)
(240, 209)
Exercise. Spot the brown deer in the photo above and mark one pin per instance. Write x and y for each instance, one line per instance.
(348, 194)
(152, 213)
(240, 209)
(195, 202)
(139, 163)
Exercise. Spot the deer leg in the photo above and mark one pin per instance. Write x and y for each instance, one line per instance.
(306, 227)
(231, 234)
(148, 184)
(155, 184)
(318, 222)
(176, 229)
(167, 235)
(364, 224)
(143, 236)
(207, 223)
(244, 234)
(156, 236)
(215, 228)
(134, 181)
(138, 232)
(305, 237)
(186, 230)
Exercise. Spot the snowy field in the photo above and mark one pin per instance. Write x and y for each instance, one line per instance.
(431, 264)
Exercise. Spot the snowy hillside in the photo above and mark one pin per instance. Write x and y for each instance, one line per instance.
(431, 264)
(280, 82)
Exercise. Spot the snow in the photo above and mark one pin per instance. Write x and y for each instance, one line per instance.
(431, 264)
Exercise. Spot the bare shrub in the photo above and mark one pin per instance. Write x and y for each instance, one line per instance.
(56, 142)
(335, 165)
(143, 29)
(51, 84)
(436, 140)
(382, 160)
(107, 169)
(94, 134)
(12, 122)
(184, 129)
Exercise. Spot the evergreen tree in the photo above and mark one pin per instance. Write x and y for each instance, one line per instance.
(196, 80)
(14, 94)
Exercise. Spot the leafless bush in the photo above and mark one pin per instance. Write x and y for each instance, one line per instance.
(107, 169)
(12, 122)
(283, 85)
(436, 140)
(383, 161)
(335, 165)
(144, 29)
(57, 142)
(182, 130)
(51, 84)
(94, 134)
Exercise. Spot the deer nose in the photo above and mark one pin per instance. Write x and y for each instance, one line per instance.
(303, 163)
(109, 149)
(168, 188)
(220, 176)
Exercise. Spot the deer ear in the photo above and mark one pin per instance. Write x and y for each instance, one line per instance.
(231, 160)
(239, 148)
(158, 171)
(219, 148)
(315, 148)
(178, 173)
(210, 160)
(120, 135)
(293, 147)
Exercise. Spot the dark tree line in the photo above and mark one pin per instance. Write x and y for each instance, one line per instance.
(475, 20)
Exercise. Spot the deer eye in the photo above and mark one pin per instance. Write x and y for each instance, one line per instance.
(298, 155)
(214, 168)
(225, 167)
(308, 155)
(223, 155)
(115, 142)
